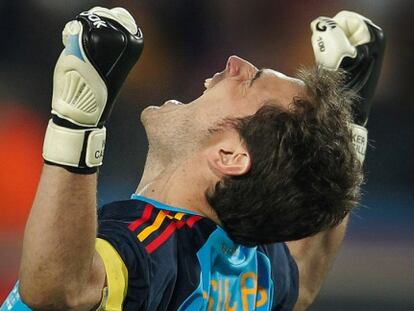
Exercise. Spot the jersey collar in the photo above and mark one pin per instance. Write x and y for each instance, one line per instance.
(162, 205)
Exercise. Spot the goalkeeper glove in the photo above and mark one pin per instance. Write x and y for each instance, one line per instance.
(353, 43)
(101, 47)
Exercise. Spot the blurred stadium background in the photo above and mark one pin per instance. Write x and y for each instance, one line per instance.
(186, 42)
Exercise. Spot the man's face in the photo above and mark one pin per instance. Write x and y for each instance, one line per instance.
(238, 91)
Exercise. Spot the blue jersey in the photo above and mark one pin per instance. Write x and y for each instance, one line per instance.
(158, 257)
(178, 260)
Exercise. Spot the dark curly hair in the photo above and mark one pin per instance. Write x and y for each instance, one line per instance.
(305, 176)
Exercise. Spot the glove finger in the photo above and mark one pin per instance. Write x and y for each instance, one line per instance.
(330, 44)
(126, 19)
(119, 15)
(354, 26)
(72, 28)
(323, 23)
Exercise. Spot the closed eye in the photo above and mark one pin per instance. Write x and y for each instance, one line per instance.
(257, 76)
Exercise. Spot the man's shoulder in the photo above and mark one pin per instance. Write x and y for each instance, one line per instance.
(158, 246)
(121, 210)
(155, 227)
(284, 271)
(280, 258)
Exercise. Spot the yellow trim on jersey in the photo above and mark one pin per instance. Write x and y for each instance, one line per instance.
(157, 224)
(116, 275)
(176, 216)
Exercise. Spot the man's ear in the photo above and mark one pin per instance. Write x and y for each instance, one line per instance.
(229, 157)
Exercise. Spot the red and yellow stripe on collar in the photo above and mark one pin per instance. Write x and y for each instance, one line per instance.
(156, 226)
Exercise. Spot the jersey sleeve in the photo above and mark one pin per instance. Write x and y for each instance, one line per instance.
(285, 276)
(126, 264)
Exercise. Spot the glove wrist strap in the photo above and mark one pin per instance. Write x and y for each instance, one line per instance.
(80, 149)
(359, 140)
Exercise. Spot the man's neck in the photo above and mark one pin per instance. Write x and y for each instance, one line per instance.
(154, 167)
(175, 185)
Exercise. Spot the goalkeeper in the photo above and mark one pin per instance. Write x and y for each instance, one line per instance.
(246, 190)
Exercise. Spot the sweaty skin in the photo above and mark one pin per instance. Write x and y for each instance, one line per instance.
(60, 268)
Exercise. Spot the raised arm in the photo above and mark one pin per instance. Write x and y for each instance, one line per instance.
(60, 269)
(353, 43)
(314, 257)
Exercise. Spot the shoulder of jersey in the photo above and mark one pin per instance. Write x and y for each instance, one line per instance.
(153, 226)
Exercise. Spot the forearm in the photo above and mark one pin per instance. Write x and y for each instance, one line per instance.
(59, 240)
(60, 268)
(314, 257)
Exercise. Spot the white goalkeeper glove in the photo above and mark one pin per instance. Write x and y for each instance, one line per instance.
(101, 47)
(355, 44)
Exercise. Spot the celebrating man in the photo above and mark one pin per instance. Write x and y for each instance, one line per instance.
(257, 160)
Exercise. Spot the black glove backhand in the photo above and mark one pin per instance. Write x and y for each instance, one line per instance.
(364, 71)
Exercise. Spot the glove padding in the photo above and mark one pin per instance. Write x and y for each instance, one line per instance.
(354, 43)
(101, 47)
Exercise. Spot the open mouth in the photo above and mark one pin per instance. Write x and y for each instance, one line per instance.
(211, 82)
(173, 102)
(207, 82)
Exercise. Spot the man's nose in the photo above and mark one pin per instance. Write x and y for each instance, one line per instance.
(239, 67)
